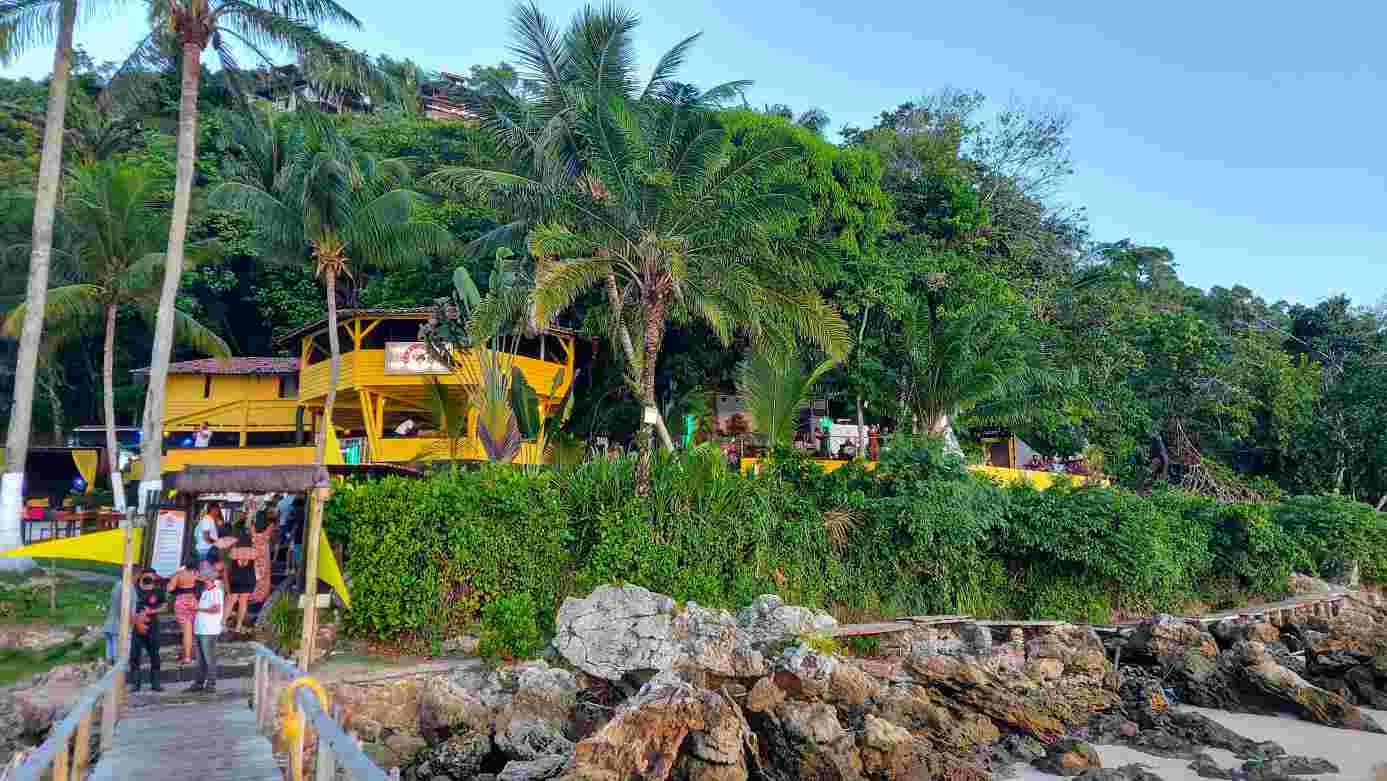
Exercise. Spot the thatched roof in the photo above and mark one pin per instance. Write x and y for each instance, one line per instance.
(292, 479)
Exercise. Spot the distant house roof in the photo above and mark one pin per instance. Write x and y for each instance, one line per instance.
(246, 365)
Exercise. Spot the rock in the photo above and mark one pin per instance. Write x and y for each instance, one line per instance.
(460, 757)
(1262, 674)
(764, 696)
(392, 704)
(1124, 773)
(1068, 757)
(35, 637)
(534, 770)
(35, 704)
(1305, 584)
(617, 631)
(713, 641)
(803, 672)
(769, 619)
(887, 750)
(446, 704)
(644, 738)
(805, 741)
(532, 724)
(366, 729)
(1165, 637)
(1283, 767)
(1204, 766)
(405, 747)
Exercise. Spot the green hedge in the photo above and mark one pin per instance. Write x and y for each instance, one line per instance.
(918, 535)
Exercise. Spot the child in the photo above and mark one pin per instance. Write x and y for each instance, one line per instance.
(207, 628)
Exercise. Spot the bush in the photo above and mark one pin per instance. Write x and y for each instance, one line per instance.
(509, 628)
(1329, 532)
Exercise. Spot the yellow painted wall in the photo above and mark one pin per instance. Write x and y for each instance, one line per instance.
(1041, 480)
(176, 458)
(366, 369)
(226, 408)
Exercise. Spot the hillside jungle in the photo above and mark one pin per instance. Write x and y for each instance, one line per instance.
(922, 273)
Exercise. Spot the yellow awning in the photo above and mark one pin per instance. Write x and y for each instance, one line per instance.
(86, 465)
(108, 547)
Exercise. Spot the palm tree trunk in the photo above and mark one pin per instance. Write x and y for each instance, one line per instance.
(320, 446)
(36, 297)
(152, 446)
(654, 335)
(108, 359)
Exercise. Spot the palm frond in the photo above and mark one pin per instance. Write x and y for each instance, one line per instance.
(669, 64)
(67, 310)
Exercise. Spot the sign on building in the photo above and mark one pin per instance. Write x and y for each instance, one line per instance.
(411, 358)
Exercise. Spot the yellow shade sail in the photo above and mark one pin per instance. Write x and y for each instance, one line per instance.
(107, 546)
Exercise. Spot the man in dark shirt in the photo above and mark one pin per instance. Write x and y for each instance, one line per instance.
(144, 635)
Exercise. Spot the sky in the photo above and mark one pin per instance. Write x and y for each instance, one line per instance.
(1247, 138)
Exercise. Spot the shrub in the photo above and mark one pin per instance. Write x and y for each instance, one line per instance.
(509, 628)
(1328, 532)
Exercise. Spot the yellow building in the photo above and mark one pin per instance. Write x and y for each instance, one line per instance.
(266, 411)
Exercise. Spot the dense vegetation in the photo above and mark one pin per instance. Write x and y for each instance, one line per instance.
(428, 558)
(920, 274)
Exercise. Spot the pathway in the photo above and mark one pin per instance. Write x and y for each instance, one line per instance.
(208, 738)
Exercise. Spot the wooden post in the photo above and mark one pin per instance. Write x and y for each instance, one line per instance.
(81, 752)
(296, 750)
(317, 499)
(60, 763)
(117, 692)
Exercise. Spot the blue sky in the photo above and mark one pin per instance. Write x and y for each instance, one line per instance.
(1247, 138)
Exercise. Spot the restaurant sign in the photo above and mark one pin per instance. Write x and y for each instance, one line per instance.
(411, 358)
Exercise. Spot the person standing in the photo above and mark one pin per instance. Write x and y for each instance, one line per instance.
(241, 572)
(183, 588)
(203, 436)
(144, 619)
(208, 629)
(208, 530)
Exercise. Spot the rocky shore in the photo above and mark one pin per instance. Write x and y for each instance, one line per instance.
(639, 686)
(642, 687)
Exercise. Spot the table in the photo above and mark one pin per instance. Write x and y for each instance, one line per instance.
(67, 524)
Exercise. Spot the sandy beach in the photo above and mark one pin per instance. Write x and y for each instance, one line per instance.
(1354, 752)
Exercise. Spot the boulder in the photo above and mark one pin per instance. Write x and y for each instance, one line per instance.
(531, 724)
(644, 738)
(804, 741)
(459, 758)
(1262, 674)
(536, 769)
(1068, 757)
(769, 619)
(449, 703)
(616, 631)
(38, 637)
(712, 640)
(887, 751)
(393, 704)
(31, 707)
(1124, 773)
(763, 696)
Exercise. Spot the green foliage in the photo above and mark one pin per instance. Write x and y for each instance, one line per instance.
(286, 624)
(1330, 532)
(509, 628)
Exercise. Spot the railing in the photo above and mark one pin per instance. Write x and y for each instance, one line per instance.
(336, 749)
(70, 758)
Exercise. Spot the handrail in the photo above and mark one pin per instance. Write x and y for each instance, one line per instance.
(54, 750)
(335, 747)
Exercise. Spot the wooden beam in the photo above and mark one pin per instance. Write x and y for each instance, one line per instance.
(369, 328)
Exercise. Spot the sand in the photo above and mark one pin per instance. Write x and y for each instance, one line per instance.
(1354, 752)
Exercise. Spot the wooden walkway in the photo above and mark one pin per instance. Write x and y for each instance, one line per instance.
(206, 740)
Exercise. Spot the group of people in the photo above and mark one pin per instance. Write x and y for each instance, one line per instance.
(227, 569)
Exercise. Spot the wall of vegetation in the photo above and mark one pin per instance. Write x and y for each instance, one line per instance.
(921, 535)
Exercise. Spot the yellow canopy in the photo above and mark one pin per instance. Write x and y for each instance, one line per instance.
(108, 546)
(86, 465)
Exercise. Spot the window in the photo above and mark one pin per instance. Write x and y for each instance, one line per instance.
(288, 386)
(206, 386)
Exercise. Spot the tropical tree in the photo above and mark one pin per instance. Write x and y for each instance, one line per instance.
(775, 384)
(635, 190)
(197, 24)
(114, 230)
(339, 209)
(23, 24)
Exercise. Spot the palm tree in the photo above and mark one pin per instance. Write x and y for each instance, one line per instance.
(115, 233)
(197, 24)
(23, 23)
(638, 192)
(775, 384)
(340, 209)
